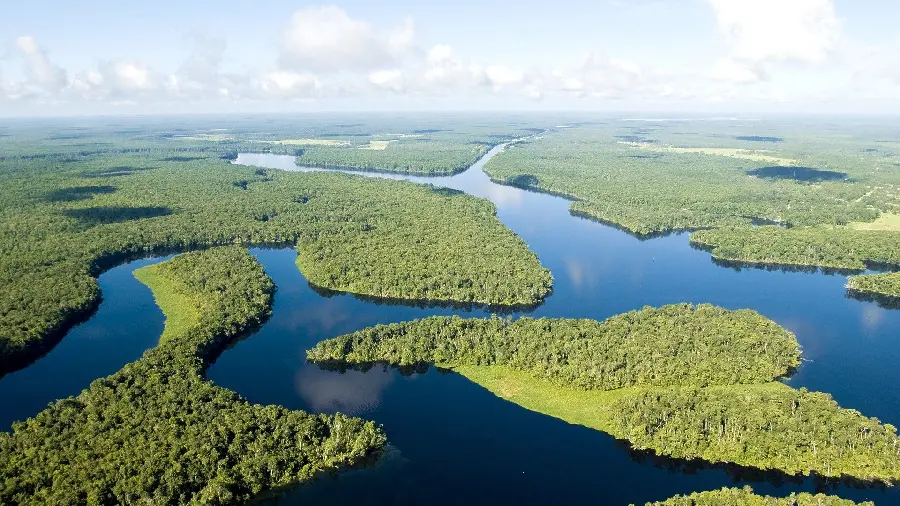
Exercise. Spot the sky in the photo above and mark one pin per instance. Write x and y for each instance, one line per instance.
(108, 57)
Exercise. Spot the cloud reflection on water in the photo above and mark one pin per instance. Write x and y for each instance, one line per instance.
(351, 392)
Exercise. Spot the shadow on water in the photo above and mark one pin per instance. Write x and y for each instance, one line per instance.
(741, 265)
(464, 307)
(743, 474)
(883, 301)
(649, 236)
(33, 353)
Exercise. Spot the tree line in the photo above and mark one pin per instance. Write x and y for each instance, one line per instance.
(768, 427)
(65, 221)
(837, 248)
(406, 156)
(746, 497)
(631, 178)
(685, 382)
(672, 345)
(882, 287)
(158, 432)
(648, 192)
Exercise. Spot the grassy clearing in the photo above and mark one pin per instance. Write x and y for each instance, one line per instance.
(180, 310)
(205, 137)
(743, 154)
(377, 145)
(595, 409)
(590, 408)
(311, 142)
(887, 221)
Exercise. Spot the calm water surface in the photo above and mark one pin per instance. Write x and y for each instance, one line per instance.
(452, 442)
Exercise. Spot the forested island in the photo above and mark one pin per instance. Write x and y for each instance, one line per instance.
(673, 345)
(883, 288)
(746, 497)
(802, 247)
(684, 381)
(69, 214)
(158, 432)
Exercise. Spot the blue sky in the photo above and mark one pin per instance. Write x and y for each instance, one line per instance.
(716, 56)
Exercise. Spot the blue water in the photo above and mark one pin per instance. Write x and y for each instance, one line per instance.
(126, 323)
(452, 442)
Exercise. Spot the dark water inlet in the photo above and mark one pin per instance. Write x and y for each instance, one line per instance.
(452, 441)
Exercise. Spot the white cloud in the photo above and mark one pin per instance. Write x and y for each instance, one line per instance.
(441, 54)
(288, 84)
(201, 68)
(501, 76)
(119, 79)
(327, 39)
(132, 76)
(778, 30)
(445, 72)
(730, 71)
(599, 77)
(388, 79)
(40, 70)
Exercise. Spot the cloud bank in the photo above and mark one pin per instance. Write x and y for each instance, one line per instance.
(324, 53)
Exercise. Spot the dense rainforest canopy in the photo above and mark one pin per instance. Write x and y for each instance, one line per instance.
(402, 154)
(158, 432)
(658, 177)
(646, 186)
(72, 210)
(768, 427)
(818, 246)
(683, 381)
(672, 345)
(746, 497)
(881, 287)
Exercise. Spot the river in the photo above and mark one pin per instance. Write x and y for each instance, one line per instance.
(452, 442)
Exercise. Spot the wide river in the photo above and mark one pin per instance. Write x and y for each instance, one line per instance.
(451, 441)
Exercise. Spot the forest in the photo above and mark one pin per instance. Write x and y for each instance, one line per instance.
(768, 427)
(668, 399)
(157, 432)
(884, 288)
(678, 345)
(830, 247)
(69, 212)
(682, 381)
(746, 497)
(647, 188)
(403, 154)
(814, 182)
